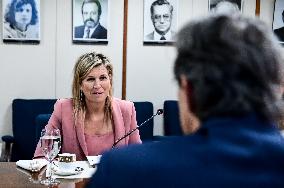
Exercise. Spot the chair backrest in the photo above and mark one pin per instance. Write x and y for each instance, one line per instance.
(171, 118)
(144, 110)
(41, 120)
(24, 112)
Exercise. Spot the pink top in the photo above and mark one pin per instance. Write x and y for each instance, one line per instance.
(72, 130)
(97, 144)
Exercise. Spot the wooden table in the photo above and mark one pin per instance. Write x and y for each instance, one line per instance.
(13, 176)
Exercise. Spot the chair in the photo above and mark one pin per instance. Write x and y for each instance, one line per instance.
(29, 116)
(171, 118)
(41, 120)
(144, 110)
(22, 144)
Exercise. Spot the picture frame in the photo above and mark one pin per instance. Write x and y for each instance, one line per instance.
(90, 21)
(213, 5)
(278, 20)
(21, 21)
(161, 27)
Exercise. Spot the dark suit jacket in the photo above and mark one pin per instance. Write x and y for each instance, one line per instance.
(225, 153)
(99, 33)
(280, 33)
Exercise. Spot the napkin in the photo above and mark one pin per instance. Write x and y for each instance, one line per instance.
(32, 165)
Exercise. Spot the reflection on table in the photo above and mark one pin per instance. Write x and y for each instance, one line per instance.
(13, 176)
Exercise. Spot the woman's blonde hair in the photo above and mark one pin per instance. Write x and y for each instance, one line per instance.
(83, 66)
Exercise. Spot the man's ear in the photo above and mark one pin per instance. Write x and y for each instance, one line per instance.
(184, 93)
(183, 82)
(189, 121)
(186, 85)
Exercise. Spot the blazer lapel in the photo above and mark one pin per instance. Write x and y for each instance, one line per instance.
(79, 125)
(119, 129)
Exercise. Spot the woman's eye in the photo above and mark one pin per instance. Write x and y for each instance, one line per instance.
(90, 79)
(103, 78)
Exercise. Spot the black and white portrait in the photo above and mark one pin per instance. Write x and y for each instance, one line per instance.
(160, 20)
(225, 6)
(21, 20)
(278, 20)
(90, 20)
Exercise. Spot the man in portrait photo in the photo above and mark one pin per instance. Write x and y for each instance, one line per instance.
(225, 5)
(92, 29)
(280, 31)
(161, 17)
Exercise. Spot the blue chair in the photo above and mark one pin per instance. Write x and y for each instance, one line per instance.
(171, 118)
(144, 110)
(21, 145)
(41, 120)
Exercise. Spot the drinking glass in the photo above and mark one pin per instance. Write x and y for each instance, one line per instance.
(50, 143)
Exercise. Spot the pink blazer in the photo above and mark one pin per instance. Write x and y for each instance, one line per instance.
(72, 133)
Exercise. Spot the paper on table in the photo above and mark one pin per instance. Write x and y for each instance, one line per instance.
(87, 171)
(32, 165)
(93, 160)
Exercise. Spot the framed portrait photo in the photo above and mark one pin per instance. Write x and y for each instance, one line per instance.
(225, 6)
(278, 20)
(160, 21)
(21, 21)
(90, 21)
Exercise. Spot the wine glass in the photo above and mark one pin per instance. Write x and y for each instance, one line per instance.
(50, 143)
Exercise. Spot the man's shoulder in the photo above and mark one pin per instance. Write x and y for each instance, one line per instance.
(150, 36)
(146, 158)
(280, 32)
(80, 27)
(279, 29)
(102, 28)
(79, 31)
(100, 32)
(150, 149)
(173, 33)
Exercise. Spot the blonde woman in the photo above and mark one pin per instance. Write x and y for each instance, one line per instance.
(93, 119)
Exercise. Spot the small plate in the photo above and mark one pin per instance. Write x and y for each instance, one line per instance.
(77, 170)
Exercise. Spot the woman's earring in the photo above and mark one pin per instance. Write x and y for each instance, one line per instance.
(81, 95)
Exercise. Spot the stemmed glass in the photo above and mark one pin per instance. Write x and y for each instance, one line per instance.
(50, 143)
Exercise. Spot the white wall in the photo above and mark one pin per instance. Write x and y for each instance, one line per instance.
(149, 67)
(28, 71)
(45, 70)
(67, 53)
